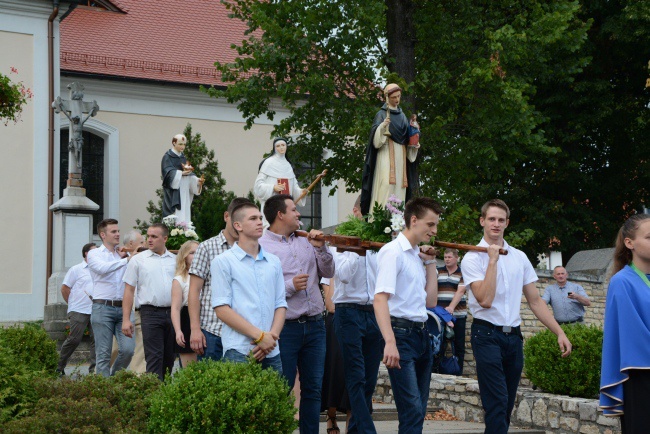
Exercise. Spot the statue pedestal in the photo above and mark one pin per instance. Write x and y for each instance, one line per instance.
(72, 229)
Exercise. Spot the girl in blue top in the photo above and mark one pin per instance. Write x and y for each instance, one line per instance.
(625, 372)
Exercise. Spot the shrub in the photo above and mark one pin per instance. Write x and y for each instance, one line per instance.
(31, 346)
(223, 397)
(577, 375)
(16, 393)
(65, 415)
(123, 399)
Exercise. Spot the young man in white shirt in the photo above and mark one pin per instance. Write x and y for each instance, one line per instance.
(356, 330)
(152, 272)
(77, 291)
(107, 265)
(249, 294)
(497, 283)
(406, 284)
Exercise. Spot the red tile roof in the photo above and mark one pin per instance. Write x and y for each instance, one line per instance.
(168, 40)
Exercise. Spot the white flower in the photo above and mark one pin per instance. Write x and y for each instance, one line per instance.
(174, 232)
(387, 230)
(169, 220)
(191, 234)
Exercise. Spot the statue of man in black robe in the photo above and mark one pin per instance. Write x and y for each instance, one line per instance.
(180, 184)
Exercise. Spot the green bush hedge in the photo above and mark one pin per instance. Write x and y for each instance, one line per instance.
(31, 345)
(223, 397)
(577, 375)
(16, 393)
(90, 404)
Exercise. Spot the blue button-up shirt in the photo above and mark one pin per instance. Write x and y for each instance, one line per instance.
(252, 287)
(565, 309)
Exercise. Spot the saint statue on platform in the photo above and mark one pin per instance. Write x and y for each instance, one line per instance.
(390, 167)
(276, 176)
(180, 184)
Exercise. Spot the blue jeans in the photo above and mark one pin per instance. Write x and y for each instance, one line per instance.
(499, 362)
(107, 322)
(411, 383)
(360, 342)
(302, 346)
(213, 347)
(268, 362)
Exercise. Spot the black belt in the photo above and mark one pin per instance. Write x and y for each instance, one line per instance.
(363, 307)
(115, 303)
(304, 318)
(406, 323)
(571, 322)
(504, 329)
(152, 307)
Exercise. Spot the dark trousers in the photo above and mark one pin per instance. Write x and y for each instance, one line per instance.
(78, 324)
(360, 342)
(302, 348)
(213, 347)
(158, 339)
(499, 362)
(411, 383)
(636, 417)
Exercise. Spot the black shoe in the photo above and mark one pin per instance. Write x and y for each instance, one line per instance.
(60, 373)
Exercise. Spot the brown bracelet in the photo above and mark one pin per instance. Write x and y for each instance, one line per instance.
(258, 340)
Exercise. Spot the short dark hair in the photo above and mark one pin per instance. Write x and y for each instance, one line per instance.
(101, 226)
(237, 212)
(163, 227)
(276, 203)
(86, 248)
(498, 203)
(235, 203)
(418, 207)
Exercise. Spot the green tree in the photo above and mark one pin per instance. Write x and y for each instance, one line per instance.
(497, 86)
(213, 200)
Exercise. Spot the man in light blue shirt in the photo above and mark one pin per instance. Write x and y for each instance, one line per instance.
(567, 298)
(249, 293)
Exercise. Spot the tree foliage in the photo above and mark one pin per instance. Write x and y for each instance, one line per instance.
(517, 99)
(209, 206)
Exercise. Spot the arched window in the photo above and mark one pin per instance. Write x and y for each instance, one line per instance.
(92, 171)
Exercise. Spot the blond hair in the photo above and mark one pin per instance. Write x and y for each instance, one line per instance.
(183, 252)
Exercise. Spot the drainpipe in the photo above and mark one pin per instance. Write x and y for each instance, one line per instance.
(50, 147)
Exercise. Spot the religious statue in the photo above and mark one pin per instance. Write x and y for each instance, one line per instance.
(180, 184)
(74, 110)
(276, 176)
(390, 166)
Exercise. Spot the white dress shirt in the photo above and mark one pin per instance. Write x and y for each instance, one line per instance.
(106, 269)
(355, 277)
(401, 273)
(152, 274)
(81, 288)
(514, 270)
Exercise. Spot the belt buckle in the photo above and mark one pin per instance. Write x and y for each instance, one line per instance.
(506, 329)
(302, 319)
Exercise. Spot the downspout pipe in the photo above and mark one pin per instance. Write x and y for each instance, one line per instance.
(50, 147)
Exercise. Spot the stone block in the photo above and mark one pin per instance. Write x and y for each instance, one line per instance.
(471, 399)
(608, 421)
(539, 413)
(589, 429)
(524, 412)
(569, 424)
(588, 411)
(460, 413)
(454, 398)
(570, 405)
(553, 419)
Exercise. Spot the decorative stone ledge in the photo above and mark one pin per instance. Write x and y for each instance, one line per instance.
(554, 413)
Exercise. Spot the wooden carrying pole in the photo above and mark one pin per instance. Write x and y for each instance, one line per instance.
(307, 190)
(357, 245)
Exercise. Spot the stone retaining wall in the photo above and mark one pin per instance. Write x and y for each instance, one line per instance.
(555, 414)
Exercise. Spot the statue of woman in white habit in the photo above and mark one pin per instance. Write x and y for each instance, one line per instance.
(276, 177)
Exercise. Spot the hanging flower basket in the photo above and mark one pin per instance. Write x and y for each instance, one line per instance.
(13, 98)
